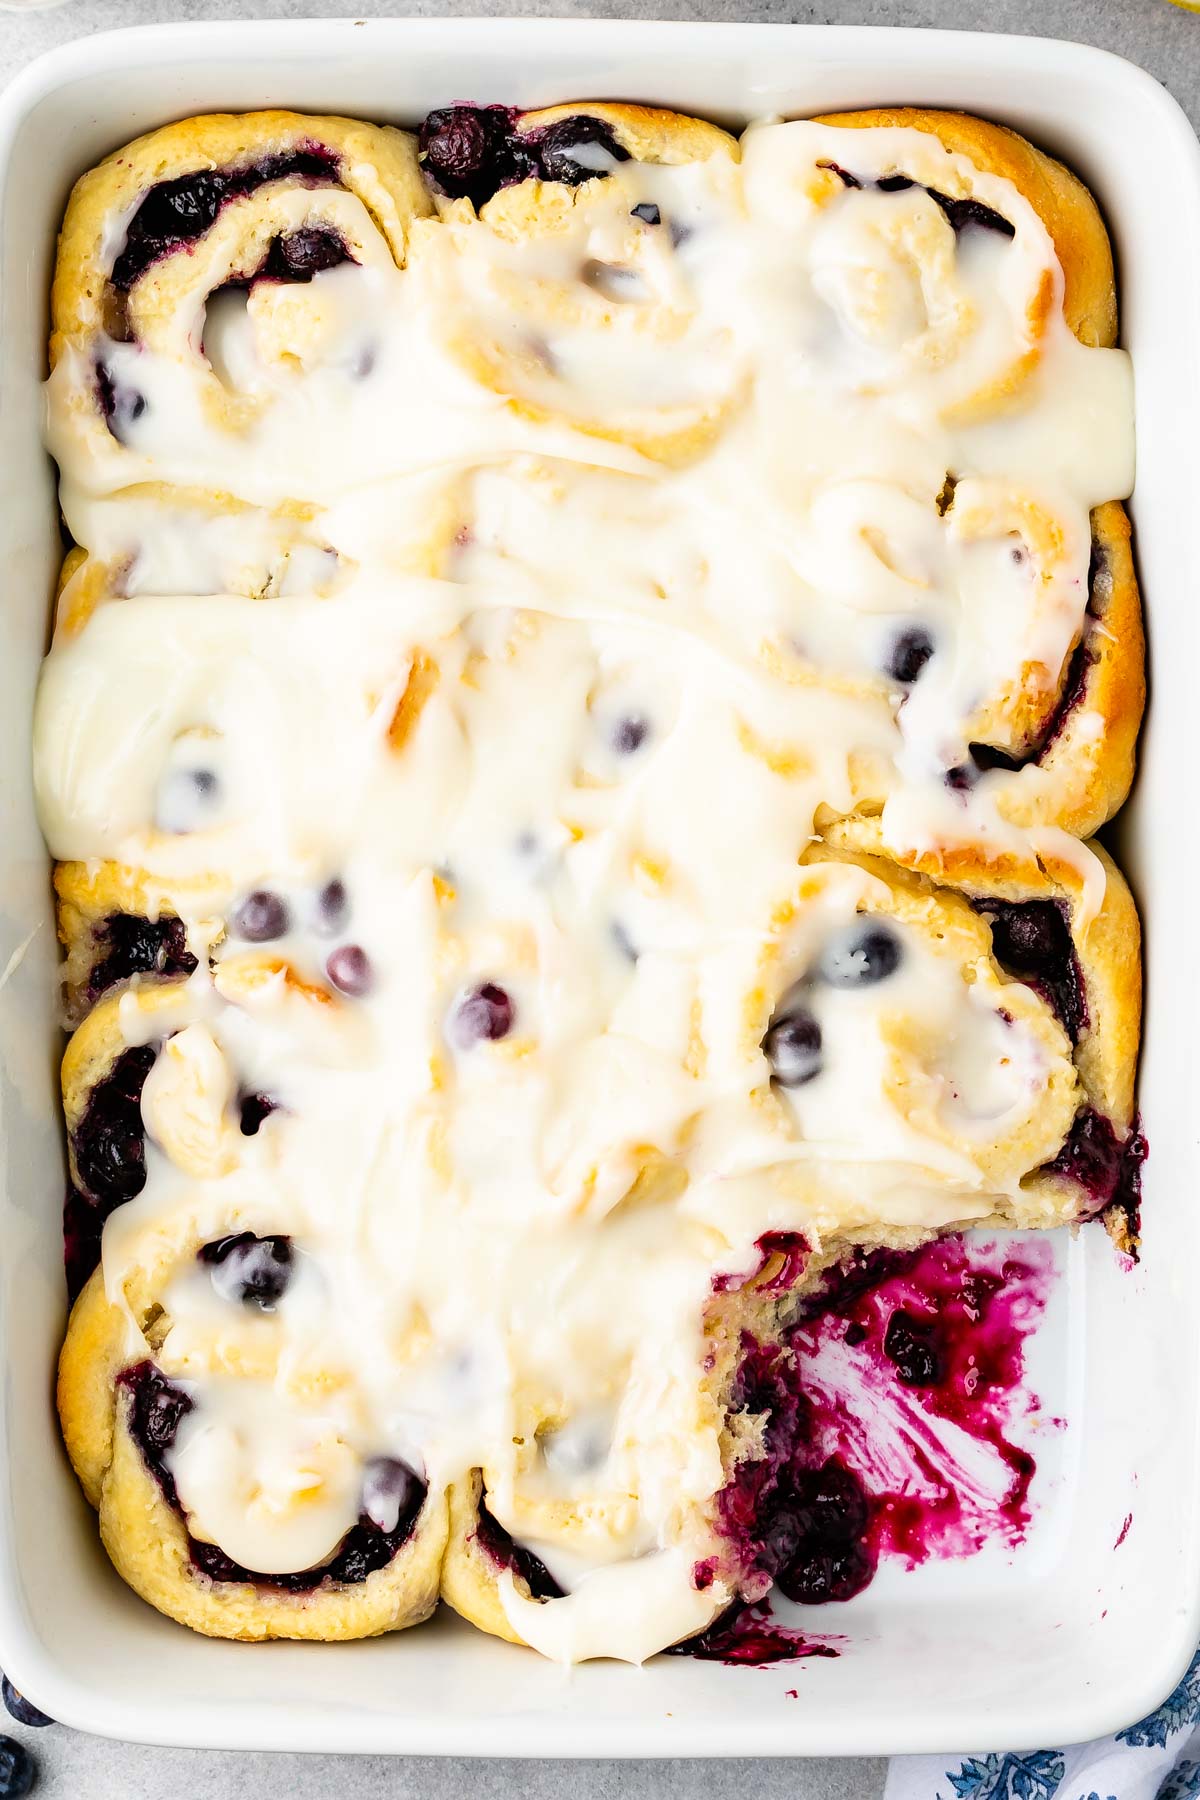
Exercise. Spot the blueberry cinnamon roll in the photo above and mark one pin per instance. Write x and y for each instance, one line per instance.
(242, 1485)
(564, 271)
(933, 1058)
(213, 278)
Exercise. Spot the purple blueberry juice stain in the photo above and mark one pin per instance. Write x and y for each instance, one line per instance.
(109, 1143)
(746, 1636)
(252, 1110)
(129, 945)
(914, 1382)
(157, 1408)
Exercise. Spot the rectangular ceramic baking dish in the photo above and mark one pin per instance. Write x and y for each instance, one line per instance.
(1070, 1636)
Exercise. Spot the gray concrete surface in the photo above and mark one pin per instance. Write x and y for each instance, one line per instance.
(1164, 40)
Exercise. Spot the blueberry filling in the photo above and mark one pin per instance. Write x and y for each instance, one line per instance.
(983, 757)
(960, 213)
(260, 917)
(1032, 940)
(506, 1553)
(484, 1015)
(180, 211)
(909, 654)
(647, 212)
(912, 1344)
(109, 1140)
(133, 945)
(252, 1110)
(156, 1407)
(861, 957)
(802, 1522)
(792, 1046)
(122, 406)
(253, 1270)
(1108, 1168)
(471, 152)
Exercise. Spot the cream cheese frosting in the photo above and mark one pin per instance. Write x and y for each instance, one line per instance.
(547, 595)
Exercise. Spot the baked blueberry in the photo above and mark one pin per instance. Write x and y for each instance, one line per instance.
(251, 1269)
(261, 917)
(391, 1490)
(333, 908)
(912, 1344)
(630, 733)
(792, 1046)
(567, 150)
(22, 1710)
(305, 253)
(860, 957)
(349, 969)
(647, 212)
(17, 1769)
(483, 1015)
(909, 653)
(122, 406)
(187, 799)
(471, 151)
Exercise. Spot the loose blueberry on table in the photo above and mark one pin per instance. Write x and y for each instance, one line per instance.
(17, 1769)
(22, 1710)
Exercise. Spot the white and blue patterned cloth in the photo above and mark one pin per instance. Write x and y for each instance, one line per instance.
(1156, 1759)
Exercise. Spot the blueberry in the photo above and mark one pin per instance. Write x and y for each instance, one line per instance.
(349, 969)
(260, 917)
(909, 654)
(186, 798)
(912, 1344)
(486, 1013)
(861, 957)
(560, 143)
(816, 1577)
(122, 406)
(630, 733)
(893, 184)
(333, 907)
(647, 212)
(251, 1269)
(390, 1491)
(22, 1710)
(624, 942)
(253, 1109)
(305, 253)
(471, 151)
(792, 1046)
(17, 1769)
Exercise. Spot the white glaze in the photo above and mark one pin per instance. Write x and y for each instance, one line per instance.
(489, 1245)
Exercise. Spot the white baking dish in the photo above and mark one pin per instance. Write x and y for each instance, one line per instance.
(1068, 1637)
